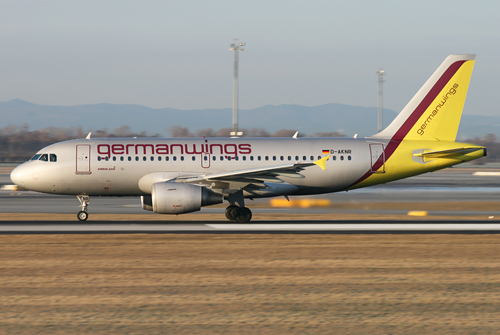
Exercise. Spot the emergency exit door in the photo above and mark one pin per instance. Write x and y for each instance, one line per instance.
(83, 158)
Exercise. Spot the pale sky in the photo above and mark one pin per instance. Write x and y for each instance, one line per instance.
(175, 53)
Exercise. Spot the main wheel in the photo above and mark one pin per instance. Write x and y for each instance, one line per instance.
(231, 212)
(83, 215)
(243, 215)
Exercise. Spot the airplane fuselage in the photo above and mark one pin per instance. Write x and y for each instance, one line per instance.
(115, 166)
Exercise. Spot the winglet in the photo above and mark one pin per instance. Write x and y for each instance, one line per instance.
(322, 162)
(88, 136)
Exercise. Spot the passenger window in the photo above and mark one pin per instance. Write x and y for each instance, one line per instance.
(159, 158)
(341, 158)
(304, 158)
(152, 158)
(129, 158)
(44, 158)
(221, 158)
(251, 158)
(312, 158)
(182, 158)
(236, 157)
(281, 157)
(144, 158)
(53, 158)
(334, 158)
(99, 158)
(296, 158)
(193, 158)
(121, 158)
(114, 158)
(319, 157)
(136, 158)
(214, 158)
(175, 158)
(244, 158)
(228, 158)
(267, 158)
(205, 158)
(107, 158)
(167, 158)
(258, 158)
(349, 157)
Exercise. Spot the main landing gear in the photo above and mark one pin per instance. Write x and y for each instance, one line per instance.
(237, 213)
(84, 202)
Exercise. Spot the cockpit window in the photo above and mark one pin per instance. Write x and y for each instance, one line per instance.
(44, 158)
(53, 158)
(36, 157)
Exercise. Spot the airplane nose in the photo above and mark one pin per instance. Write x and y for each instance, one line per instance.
(19, 175)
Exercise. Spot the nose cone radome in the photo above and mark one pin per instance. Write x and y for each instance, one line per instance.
(19, 175)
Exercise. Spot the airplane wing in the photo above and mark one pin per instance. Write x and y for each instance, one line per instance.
(253, 177)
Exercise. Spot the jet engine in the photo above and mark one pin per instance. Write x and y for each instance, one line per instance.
(178, 198)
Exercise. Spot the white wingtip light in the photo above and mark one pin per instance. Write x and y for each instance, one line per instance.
(88, 136)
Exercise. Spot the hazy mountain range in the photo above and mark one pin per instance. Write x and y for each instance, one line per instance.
(346, 119)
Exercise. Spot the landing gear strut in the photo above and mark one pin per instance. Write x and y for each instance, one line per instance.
(84, 202)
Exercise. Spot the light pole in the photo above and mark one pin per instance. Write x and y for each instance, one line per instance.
(236, 47)
(381, 74)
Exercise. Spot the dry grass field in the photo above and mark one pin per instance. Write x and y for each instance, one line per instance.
(249, 284)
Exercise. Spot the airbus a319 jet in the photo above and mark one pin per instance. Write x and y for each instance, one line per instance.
(178, 175)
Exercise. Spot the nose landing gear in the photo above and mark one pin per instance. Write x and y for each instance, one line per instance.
(84, 202)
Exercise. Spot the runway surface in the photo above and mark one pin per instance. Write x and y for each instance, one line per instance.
(451, 185)
(262, 227)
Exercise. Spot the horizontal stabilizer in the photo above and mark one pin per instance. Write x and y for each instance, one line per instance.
(448, 153)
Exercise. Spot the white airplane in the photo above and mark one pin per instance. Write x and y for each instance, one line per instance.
(177, 175)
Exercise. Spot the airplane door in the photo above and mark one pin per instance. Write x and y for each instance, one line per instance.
(377, 158)
(205, 160)
(83, 158)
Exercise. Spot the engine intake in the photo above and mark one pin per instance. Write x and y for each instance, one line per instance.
(178, 198)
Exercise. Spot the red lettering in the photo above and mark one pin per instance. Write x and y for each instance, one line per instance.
(232, 152)
(216, 145)
(107, 152)
(245, 148)
(176, 145)
(117, 149)
(162, 149)
(128, 145)
(144, 146)
(194, 149)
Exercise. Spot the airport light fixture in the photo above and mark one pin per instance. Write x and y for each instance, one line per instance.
(236, 47)
(381, 74)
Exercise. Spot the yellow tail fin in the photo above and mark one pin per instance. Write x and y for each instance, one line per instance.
(434, 112)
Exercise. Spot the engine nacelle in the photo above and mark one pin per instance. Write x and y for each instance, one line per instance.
(178, 198)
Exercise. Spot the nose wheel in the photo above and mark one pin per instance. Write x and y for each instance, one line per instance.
(83, 216)
(84, 202)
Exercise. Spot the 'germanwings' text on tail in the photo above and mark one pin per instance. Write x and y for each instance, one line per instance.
(178, 175)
